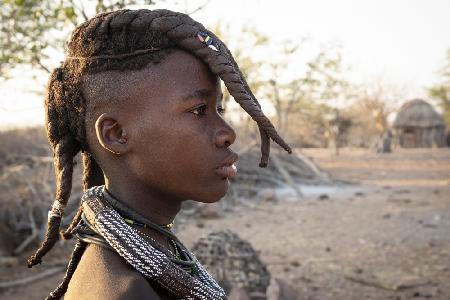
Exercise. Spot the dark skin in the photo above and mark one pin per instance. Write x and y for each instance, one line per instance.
(161, 146)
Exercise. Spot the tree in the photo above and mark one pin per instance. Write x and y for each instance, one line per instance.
(316, 88)
(34, 30)
(250, 66)
(441, 91)
(372, 104)
(276, 74)
(284, 94)
(324, 83)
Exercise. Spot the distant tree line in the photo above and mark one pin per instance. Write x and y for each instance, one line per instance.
(314, 103)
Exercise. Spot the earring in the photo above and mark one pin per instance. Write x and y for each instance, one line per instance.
(117, 153)
(121, 141)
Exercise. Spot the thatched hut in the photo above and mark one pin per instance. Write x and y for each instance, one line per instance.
(418, 125)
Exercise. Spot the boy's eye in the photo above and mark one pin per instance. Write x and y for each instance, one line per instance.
(201, 110)
(221, 110)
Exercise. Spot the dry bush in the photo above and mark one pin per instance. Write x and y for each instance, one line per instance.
(307, 130)
(19, 144)
(27, 186)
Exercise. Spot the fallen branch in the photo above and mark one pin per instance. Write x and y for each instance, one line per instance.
(42, 275)
(384, 286)
(30, 238)
(369, 283)
(25, 243)
(310, 164)
(289, 180)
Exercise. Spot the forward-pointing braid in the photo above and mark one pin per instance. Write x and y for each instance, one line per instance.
(222, 64)
(181, 30)
(265, 138)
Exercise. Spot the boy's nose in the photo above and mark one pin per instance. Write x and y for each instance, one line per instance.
(224, 136)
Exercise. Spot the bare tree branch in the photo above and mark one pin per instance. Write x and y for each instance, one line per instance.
(80, 9)
(199, 8)
(43, 67)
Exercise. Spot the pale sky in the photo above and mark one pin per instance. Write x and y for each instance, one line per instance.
(402, 41)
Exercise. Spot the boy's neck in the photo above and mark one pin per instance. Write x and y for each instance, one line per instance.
(158, 208)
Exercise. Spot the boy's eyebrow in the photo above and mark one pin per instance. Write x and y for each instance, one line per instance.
(202, 94)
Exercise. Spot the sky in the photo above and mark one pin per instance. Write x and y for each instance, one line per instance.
(404, 42)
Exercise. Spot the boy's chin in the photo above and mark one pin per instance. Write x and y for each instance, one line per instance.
(214, 196)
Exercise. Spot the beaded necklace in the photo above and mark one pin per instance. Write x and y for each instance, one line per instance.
(145, 255)
(167, 226)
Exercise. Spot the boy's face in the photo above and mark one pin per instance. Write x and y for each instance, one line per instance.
(177, 140)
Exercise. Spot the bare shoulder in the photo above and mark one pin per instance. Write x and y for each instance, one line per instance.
(103, 274)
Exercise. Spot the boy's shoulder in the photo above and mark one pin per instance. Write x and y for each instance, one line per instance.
(103, 274)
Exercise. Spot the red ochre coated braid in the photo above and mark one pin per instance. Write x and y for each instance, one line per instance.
(92, 176)
(107, 42)
(64, 152)
(80, 247)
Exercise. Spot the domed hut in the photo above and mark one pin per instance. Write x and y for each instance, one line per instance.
(418, 125)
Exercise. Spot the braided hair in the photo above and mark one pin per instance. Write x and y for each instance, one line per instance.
(125, 40)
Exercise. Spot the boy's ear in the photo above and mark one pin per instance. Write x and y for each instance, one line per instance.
(111, 135)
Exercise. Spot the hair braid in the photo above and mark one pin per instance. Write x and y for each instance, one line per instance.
(223, 65)
(64, 154)
(67, 234)
(65, 147)
(92, 176)
(92, 173)
(182, 29)
(265, 138)
(75, 258)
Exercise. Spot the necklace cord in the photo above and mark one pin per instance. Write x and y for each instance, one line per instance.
(191, 283)
(127, 211)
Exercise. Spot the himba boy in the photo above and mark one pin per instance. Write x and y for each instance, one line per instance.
(139, 96)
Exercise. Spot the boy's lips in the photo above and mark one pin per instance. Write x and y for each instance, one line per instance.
(227, 168)
(227, 171)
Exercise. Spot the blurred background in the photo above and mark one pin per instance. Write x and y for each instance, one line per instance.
(360, 89)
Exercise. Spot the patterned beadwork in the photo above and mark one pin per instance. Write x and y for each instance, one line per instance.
(138, 252)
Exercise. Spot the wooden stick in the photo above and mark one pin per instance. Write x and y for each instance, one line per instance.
(286, 175)
(310, 164)
(30, 279)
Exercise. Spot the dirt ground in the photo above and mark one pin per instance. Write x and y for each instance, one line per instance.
(382, 231)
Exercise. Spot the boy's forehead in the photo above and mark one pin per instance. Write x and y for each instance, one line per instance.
(180, 72)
